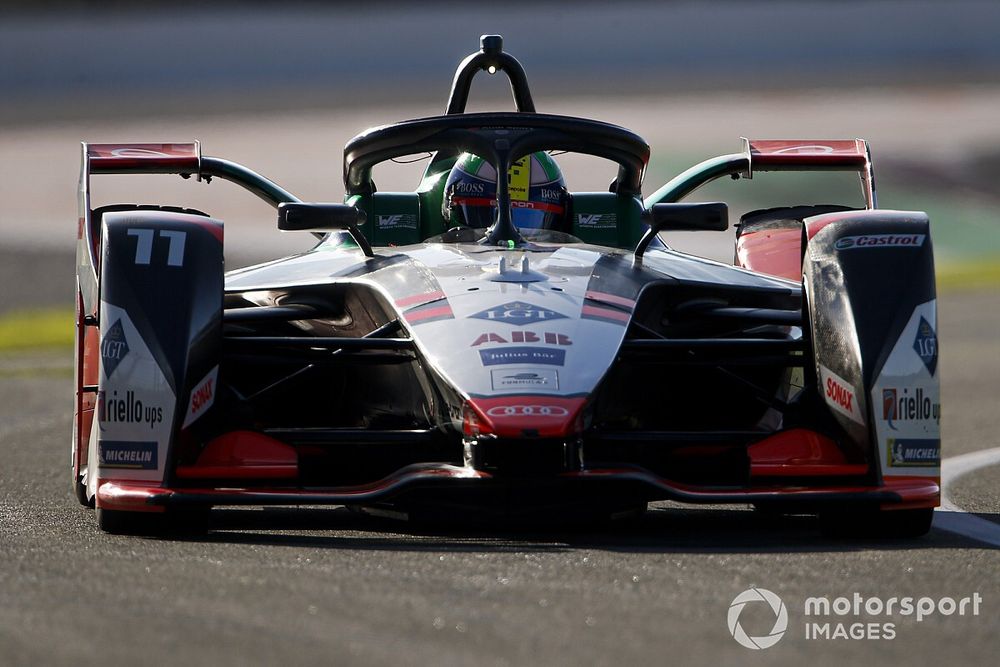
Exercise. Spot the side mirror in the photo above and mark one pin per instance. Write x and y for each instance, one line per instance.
(302, 217)
(712, 216)
(299, 217)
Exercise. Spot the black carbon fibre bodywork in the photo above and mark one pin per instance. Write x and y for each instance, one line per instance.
(860, 298)
(164, 270)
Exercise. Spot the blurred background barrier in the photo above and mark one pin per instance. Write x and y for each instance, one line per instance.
(281, 87)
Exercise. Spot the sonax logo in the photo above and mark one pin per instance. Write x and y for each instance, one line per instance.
(840, 395)
(202, 397)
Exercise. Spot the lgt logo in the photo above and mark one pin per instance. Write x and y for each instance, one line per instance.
(518, 312)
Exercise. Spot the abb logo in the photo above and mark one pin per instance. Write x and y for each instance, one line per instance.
(548, 338)
(527, 411)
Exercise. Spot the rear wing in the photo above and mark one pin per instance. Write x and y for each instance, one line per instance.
(184, 159)
(812, 155)
(143, 158)
(776, 155)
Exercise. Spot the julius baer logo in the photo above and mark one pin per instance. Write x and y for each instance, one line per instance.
(759, 619)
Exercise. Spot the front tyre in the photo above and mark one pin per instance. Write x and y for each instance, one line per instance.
(80, 491)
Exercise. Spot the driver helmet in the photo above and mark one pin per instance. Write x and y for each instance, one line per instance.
(538, 194)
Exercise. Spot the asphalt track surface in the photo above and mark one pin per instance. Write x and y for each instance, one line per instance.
(325, 586)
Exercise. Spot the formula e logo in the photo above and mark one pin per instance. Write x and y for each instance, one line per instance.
(597, 220)
(925, 345)
(536, 378)
(114, 347)
(518, 313)
(397, 221)
(527, 411)
(777, 608)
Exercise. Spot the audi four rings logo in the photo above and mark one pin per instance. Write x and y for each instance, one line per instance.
(527, 411)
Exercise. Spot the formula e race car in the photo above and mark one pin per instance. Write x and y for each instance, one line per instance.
(495, 343)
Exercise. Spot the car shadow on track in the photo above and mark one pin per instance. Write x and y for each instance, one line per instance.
(660, 530)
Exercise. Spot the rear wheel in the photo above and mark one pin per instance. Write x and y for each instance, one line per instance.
(877, 523)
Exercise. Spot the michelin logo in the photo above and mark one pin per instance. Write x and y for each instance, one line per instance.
(914, 452)
(125, 454)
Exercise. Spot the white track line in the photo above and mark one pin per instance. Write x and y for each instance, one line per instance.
(953, 518)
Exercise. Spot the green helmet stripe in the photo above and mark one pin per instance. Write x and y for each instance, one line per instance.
(548, 165)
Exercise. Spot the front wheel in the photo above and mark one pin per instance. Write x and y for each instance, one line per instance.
(80, 491)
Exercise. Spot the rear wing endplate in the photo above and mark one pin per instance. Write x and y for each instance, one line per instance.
(151, 158)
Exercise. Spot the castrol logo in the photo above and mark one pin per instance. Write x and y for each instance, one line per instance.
(527, 411)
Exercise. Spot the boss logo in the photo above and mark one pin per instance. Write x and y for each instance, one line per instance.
(528, 411)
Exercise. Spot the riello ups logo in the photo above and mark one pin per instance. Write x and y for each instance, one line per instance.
(114, 348)
(903, 405)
